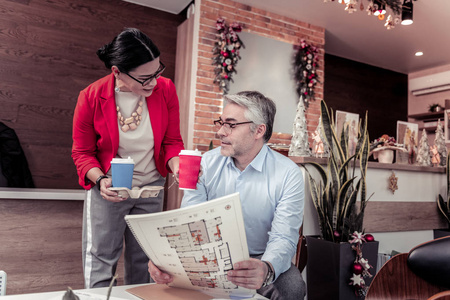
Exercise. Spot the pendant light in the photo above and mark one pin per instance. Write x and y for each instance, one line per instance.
(407, 12)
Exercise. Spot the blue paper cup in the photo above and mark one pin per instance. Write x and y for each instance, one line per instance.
(122, 172)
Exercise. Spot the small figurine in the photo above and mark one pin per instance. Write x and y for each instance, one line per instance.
(318, 144)
(435, 157)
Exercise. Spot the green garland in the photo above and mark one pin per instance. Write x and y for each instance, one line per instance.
(226, 51)
(305, 74)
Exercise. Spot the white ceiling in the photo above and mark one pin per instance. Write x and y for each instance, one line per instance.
(364, 38)
(171, 6)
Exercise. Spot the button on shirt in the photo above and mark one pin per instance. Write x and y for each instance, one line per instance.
(271, 190)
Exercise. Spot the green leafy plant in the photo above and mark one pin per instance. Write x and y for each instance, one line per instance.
(336, 191)
(434, 107)
(444, 207)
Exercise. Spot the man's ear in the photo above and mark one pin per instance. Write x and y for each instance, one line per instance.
(260, 131)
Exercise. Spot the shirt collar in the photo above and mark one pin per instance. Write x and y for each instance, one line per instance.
(256, 163)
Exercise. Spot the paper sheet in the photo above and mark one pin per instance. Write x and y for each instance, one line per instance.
(197, 244)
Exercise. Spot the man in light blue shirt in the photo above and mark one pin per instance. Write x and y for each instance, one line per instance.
(271, 193)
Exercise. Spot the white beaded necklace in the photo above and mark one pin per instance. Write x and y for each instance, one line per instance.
(130, 123)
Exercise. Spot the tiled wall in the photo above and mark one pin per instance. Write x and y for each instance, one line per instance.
(208, 100)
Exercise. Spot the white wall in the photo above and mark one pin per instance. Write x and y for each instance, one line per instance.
(412, 186)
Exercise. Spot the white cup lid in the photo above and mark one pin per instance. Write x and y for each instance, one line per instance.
(117, 160)
(191, 152)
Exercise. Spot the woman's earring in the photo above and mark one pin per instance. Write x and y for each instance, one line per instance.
(117, 89)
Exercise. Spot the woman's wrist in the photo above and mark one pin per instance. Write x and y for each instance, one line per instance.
(97, 182)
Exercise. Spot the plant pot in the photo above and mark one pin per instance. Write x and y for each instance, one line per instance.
(384, 156)
(329, 268)
(438, 233)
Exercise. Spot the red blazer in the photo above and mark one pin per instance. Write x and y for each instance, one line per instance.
(96, 132)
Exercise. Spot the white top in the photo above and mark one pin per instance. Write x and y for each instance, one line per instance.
(138, 144)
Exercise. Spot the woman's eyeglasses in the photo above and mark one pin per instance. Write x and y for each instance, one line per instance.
(156, 75)
(227, 126)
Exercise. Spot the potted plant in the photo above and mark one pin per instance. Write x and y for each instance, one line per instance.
(444, 206)
(340, 260)
(383, 149)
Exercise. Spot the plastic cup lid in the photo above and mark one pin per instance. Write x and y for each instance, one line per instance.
(117, 160)
(191, 152)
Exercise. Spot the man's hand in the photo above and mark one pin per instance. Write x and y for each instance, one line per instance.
(157, 275)
(249, 273)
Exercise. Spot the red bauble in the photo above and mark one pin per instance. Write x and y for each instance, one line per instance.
(224, 64)
(225, 54)
(369, 238)
(357, 268)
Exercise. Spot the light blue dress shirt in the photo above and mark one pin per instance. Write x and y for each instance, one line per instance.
(271, 190)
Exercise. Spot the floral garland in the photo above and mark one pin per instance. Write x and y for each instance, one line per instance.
(226, 51)
(305, 64)
(361, 265)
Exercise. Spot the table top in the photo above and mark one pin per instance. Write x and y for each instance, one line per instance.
(118, 293)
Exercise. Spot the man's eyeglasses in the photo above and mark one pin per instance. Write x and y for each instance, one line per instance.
(156, 75)
(227, 126)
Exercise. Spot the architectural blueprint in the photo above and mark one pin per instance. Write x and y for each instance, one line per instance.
(197, 244)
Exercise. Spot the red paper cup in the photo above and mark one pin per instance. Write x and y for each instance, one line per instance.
(189, 169)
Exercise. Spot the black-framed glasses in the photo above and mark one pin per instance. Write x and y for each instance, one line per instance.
(156, 75)
(227, 126)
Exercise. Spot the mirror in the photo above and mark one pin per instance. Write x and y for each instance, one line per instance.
(265, 67)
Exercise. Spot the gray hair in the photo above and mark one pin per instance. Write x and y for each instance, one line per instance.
(259, 109)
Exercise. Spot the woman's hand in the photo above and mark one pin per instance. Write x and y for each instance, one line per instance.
(174, 165)
(157, 275)
(108, 194)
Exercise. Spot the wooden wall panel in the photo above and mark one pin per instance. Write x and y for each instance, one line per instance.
(47, 54)
(383, 216)
(41, 245)
(356, 87)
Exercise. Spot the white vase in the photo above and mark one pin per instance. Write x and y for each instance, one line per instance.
(384, 156)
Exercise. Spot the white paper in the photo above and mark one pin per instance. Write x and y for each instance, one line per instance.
(197, 244)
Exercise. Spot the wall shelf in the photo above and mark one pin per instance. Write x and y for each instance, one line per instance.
(428, 116)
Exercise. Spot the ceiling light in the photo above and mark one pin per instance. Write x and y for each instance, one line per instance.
(407, 12)
(418, 53)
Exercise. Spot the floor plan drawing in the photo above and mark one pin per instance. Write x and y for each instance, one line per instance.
(197, 245)
(203, 254)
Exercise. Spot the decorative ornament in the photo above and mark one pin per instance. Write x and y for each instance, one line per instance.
(389, 23)
(435, 157)
(373, 5)
(304, 68)
(439, 142)
(299, 143)
(393, 183)
(226, 51)
(351, 6)
(320, 148)
(383, 148)
(361, 265)
(423, 154)
(369, 238)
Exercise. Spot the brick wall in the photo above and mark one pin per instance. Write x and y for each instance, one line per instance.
(208, 100)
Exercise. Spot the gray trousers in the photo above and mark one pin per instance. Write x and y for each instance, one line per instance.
(104, 233)
(288, 286)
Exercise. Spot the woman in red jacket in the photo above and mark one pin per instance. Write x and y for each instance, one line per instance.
(134, 88)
